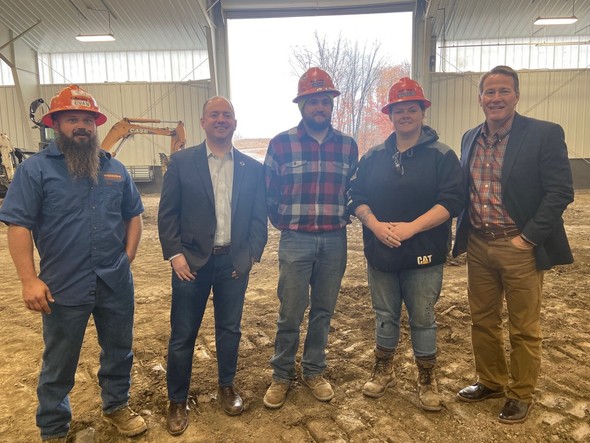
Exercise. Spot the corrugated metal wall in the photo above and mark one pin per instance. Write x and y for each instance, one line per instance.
(11, 122)
(559, 96)
(163, 101)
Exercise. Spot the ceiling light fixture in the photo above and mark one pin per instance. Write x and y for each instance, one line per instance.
(105, 37)
(550, 21)
(543, 21)
(96, 37)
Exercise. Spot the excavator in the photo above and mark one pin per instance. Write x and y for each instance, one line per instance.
(128, 127)
(124, 129)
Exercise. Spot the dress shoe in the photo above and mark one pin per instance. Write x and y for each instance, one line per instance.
(230, 400)
(514, 411)
(177, 418)
(478, 392)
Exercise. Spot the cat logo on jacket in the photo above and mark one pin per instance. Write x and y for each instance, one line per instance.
(424, 259)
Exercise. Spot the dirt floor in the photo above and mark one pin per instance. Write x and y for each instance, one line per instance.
(561, 413)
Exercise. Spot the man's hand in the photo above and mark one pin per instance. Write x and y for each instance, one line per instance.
(519, 243)
(37, 295)
(181, 268)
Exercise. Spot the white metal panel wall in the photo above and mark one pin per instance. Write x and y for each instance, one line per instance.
(11, 120)
(558, 96)
(163, 101)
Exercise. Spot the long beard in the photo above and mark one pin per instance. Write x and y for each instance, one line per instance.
(82, 158)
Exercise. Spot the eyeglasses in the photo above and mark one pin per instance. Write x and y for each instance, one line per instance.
(398, 167)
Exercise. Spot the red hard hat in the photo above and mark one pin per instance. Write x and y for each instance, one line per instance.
(315, 81)
(73, 98)
(405, 90)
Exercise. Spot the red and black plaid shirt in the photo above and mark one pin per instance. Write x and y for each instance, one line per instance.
(485, 188)
(306, 182)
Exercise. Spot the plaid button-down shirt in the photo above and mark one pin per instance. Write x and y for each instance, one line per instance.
(485, 188)
(306, 182)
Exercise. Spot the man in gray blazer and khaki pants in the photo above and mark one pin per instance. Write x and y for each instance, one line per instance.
(519, 183)
(212, 225)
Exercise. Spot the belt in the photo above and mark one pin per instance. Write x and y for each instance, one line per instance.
(496, 233)
(221, 250)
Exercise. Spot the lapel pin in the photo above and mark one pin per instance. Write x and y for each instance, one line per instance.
(242, 163)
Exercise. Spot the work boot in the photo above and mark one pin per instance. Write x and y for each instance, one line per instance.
(276, 394)
(430, 398)
(126, 421)
(320, 388)
(382, 376)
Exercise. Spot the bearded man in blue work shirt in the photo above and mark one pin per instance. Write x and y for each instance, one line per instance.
(83, 212)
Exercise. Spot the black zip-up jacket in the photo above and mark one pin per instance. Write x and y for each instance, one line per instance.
(432, 175)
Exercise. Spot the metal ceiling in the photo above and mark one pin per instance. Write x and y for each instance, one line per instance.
(497, 19)
(142, 25)
(138, 25)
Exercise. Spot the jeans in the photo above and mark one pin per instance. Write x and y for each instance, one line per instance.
(63, 333)
(497, 270)
(189, 300)
(419, 289)
(315, 260)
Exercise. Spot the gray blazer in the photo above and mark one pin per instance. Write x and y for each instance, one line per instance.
(536, 187)
(186, 216)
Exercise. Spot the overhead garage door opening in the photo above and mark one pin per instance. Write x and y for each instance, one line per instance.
(268, 55)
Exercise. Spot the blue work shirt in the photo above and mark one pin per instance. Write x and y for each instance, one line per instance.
(78, 226)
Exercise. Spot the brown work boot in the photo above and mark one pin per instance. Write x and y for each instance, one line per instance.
(320, 388)
(430, 398)
(177, 419)
(126, 421)
(276, 394)
(382, 377)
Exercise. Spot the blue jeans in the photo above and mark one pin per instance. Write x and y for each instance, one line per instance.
(307, 259)
(63, 333)
(419, 289)
(189, 300)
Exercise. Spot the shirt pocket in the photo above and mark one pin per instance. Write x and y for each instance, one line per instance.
(113, 195)
(338, 168)
(294, 171)
(61, 199)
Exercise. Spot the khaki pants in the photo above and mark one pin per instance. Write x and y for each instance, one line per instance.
(497, 270)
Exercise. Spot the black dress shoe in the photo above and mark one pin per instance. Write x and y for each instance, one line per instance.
(177, 419)
(478, 392)
(230, 400)
(514, 411)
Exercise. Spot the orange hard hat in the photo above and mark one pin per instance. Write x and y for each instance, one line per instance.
(73, 98)
(405, 90)
(315, 81)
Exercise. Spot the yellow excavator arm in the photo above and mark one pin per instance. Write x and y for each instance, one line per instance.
(128, 127)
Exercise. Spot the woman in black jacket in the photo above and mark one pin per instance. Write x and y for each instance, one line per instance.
(405, 192)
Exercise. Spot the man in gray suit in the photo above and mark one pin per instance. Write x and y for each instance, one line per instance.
(212, 226)
(519, 183)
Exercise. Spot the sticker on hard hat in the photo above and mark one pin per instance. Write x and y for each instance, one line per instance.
(81, 102)
(318, 83)
(406, 93)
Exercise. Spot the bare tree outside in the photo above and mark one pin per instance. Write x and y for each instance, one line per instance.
(358, 72)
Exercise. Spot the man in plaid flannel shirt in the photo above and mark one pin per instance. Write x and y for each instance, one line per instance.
(307, 170)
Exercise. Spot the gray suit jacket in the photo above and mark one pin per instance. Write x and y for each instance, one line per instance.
(536, 187)
(186, 216)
